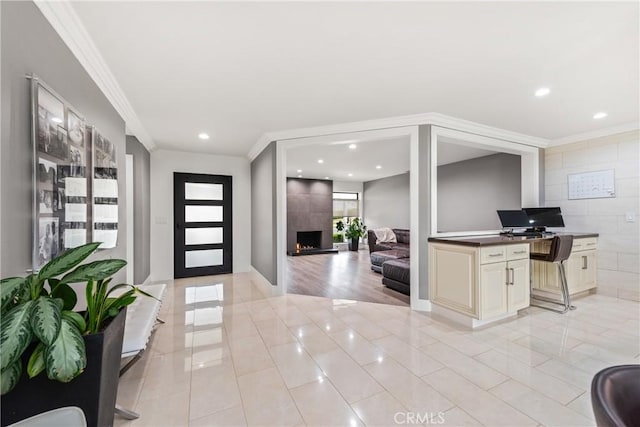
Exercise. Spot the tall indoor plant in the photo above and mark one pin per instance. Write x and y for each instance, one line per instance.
(354, 230)
(41, 332)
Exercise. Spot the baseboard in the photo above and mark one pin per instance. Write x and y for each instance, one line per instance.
(421, 305)
(465, 320)
(265, 285)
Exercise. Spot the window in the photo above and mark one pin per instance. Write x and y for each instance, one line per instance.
(345, 207)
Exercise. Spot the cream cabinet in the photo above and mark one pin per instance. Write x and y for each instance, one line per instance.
(580, 268)
(483, 282)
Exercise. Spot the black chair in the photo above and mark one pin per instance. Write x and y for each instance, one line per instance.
(615, 396)
(558, 254)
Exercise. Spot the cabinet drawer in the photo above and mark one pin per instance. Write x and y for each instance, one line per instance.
(586, 244)
(493, 254)
(517, 252)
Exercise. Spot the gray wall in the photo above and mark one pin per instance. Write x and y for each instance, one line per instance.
(423, 228)
(470, 192)
(141, 209)
(386, 202)
(263, 214)
(30, 45)
(309, 208)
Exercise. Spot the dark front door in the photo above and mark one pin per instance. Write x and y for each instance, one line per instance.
(203, 228)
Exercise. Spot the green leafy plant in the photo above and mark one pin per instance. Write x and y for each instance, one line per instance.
(43, 315)
(354, 229)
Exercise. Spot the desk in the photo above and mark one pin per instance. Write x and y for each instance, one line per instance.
(482, 279)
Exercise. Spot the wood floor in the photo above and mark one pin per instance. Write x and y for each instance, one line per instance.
(345, 275)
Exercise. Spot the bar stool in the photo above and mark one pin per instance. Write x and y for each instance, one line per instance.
(615, 393)
(558, 254)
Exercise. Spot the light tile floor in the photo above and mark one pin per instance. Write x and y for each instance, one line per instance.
(229, 355)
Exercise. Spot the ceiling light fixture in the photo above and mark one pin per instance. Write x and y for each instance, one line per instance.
(299, 171)
(203, 136)
(320, 161)
(543, 91)
(326, 177)
(378, 167)
(600, 115)
(350, 174)
(299, 176)
(352, 146)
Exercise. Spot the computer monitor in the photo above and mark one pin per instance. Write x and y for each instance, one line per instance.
(540, 218)
(513, 219)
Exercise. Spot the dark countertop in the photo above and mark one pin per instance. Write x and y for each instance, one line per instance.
(497, 239)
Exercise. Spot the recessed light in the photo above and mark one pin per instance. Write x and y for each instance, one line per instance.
(299, 171)
(299, 176)
(326, 177)
(543, 91)
(350, 174)
(378, 167)
(203, 136)
(352, 146)
(320, 161)
(56, 119)
(600, 115)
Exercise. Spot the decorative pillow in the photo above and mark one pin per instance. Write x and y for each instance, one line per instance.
(385, 235)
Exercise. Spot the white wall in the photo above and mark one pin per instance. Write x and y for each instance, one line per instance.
(163, 164)
(619, 247)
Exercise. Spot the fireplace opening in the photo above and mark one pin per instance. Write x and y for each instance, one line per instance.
(308, 240)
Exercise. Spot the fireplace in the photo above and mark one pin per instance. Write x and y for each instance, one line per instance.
(309, 216)
(308, 240)
(310, 243)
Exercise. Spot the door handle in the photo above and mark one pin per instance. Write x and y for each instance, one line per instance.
(510, 279)
(513, 276)
(584, 262)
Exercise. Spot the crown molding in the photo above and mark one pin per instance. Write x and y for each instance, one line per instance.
(436, 119)
(626, 127)
(66, 22)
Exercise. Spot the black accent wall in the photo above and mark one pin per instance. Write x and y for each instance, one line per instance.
(309, 208)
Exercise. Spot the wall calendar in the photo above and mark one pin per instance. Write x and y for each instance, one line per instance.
(592, 185)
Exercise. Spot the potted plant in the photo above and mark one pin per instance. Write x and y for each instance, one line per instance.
(353, 231)
(46, 345)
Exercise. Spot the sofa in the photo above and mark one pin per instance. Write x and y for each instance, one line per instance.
(396, 258)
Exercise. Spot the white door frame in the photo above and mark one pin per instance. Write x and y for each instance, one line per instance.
(529, 171)
(411, 132)
(130, 277)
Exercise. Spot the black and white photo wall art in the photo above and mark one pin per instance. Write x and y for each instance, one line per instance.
(68, 179)
(60, 201)
(105, 191)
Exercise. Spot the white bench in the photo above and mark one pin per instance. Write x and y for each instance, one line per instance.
(140, 323)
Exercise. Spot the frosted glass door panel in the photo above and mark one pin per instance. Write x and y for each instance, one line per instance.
(205, 258)
(202, 213)
(200, 191)
(203, 236)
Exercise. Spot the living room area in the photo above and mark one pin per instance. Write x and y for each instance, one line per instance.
(339, 194)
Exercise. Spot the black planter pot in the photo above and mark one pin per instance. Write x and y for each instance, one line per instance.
(94, 391)
(353, 244)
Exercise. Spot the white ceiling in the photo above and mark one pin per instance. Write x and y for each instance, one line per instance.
(238, 69)
(338, 160)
